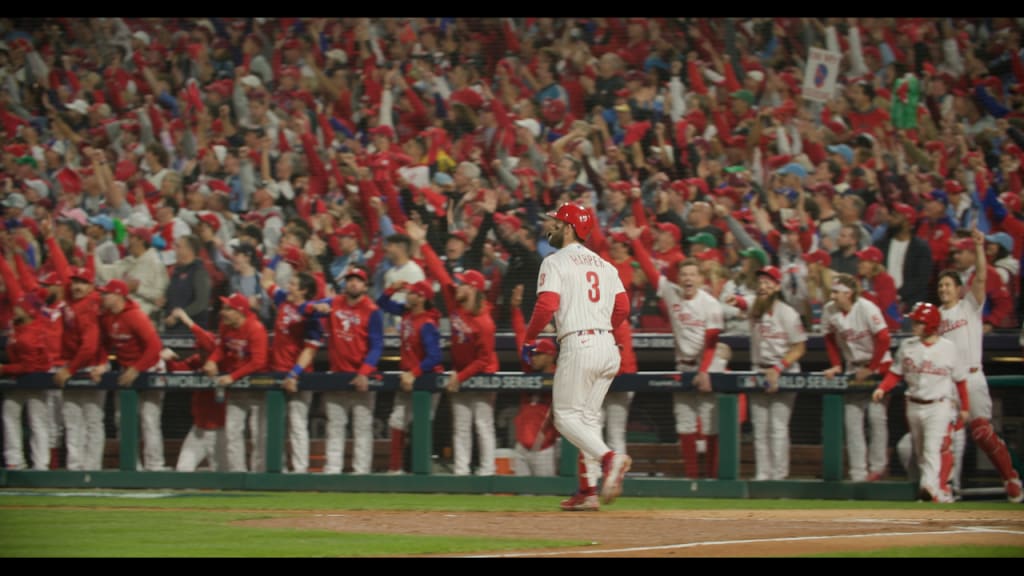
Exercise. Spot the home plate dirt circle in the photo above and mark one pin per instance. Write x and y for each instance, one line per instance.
(699, 533)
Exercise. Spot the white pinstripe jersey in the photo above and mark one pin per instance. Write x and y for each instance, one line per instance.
(586, 285)
(962, 326)
(855, 330)
(690, 319)
(774, 333)
(930, 371)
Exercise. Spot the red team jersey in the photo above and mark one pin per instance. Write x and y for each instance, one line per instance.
(292, 332)
(130, 337)
(241, 351)
(27, 349)
(355, 333)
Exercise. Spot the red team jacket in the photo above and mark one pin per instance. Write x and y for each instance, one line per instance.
(355, 333)
(241, 351)
(207, 412)
(27, 349)
(292, 332)
(80, 339)
(130, 337)
(420, 341)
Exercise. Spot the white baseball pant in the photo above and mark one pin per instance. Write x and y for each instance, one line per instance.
(33, 402)
(401, 410)
(298, 429)
(587, 363)
(769, 417)
(54, 401)
(84, 432)
(150, 411)
(540, 463)
(930, 427)
(689, 406)
(615, 418)
(473, 410)
(243, 403)
(338, 406)
(201, 444)
(871, 455)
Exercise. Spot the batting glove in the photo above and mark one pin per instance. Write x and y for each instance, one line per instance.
(527, 353)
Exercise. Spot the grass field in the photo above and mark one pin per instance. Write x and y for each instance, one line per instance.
(196, 524)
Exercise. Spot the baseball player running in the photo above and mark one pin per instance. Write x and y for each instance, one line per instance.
(83, 408)
(296, 340)
(355, 341)
(962, 324)
(930, 366)
(241, 350)
(697, 320)
(584, 294)
(129, 335)
(27, 351)
(777, 342)
(420, 345)
(856, 333)
(472, 353)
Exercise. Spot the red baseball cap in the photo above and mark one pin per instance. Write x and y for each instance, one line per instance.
(83, 274)
(545, 346)
(383, 130)
(710, 254)
(211, 219)
(772, 272)
(509, 219)
(473, 278)
(871, 254)
(142, 233)
(115, 286)
(964, 244)
(906, 210)
(423, 288)
(49, 278)
(236, 301)
(670, 228)
(357, 272)
(348, 230)
(620, 237)
(820, 256)
(460, 234)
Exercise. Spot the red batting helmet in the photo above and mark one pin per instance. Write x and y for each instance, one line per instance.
(927, 314)
(577, 217)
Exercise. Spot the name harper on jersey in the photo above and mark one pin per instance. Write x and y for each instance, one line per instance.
(926, 367)
(591, 260)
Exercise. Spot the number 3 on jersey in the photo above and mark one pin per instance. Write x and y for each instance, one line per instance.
(594, 293)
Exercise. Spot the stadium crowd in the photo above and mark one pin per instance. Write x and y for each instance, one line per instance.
(197, 160)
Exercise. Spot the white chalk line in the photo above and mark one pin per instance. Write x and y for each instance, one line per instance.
(606, 551)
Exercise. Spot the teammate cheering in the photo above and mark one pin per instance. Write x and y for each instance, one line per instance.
(856, 332)
(420, 345)
(962, 324)
(697, 320)
(472, 352)
(933, 372)
(586, 297)
(355, 340)
(777, 342)
(128, 334)
(241, 350)
(296, 340)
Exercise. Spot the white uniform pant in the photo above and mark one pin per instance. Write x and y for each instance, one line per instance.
(862, 455)
(469, 410)
(84, 432)
(615, 418)
(54, 402)
(298, 429)
(338, 406)
(905, 449)
(540, 463)
(33, 402)
(401, 410)
(769, 417)
(930, 426)
(150, 412)
(201, 444)
(689, 406)
(978, 396)
(243, 404)
(586, 366)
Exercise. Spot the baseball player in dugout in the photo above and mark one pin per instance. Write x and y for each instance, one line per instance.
(857, 342)
(696, 318)
(584, 294)
(129, 336)
(420, 346)
(962, 311)
(472, 353)
(27, 351)
(206, 439)
(241, 350)
(296, 340)
(83, 408)
(777, 342)
(355, 341)
(535, 432)
(934, 375)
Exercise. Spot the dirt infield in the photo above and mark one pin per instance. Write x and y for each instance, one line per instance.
(679, 534)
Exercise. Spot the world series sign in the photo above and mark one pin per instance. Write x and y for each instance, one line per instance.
(820, 75)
